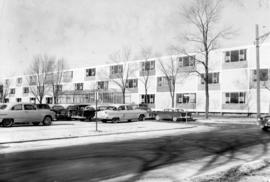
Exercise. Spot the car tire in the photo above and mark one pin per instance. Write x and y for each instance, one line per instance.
(35, 123)
(264, 128)
(141, 117)
(103, 121)
(7, 122)
(115, 120)
(174, 119)
(157, 117)
(47, 121)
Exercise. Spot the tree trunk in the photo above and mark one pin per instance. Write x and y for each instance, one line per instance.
(145, 97)
(124, 96)
(206, 100)
(206, 86)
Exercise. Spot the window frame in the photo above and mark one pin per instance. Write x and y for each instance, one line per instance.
(181, 96)
(78, 86)
(90, 72)
(239, 96)
(241, 55)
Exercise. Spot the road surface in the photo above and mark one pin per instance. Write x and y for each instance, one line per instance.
(134, 159)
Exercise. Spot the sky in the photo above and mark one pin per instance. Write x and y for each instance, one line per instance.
(86, 32)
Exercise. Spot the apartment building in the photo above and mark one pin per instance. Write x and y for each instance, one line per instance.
(232, 82)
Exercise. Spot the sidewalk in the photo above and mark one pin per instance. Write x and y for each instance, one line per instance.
(226, 120)
(79, 133)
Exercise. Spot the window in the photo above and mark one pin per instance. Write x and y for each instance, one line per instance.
(18, 100)
(78, 86)
(103, 85)
(12, 91)
(121, 108)
(263, 75)
(116, 69)
(148, 99)
(32, 80)
(148, 65)
(162, 81)
(213, 78)
(59, 88)
(186, 61)
(19, 80)
(236, 55)
(49, 100)
(17, 107)
(132, 83)
(7, 82)
(29, 107)
(186, 98)
(33, 100)
(25, 90)
(90, 72)
(129, 107)
(235, 98)
(67, 76)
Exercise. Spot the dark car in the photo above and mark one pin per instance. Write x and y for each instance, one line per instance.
(43, 106)
(60, 112)
(173, 114)
(80, 112)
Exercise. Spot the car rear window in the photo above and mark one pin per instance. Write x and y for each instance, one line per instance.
(3, 107)
(43, 106)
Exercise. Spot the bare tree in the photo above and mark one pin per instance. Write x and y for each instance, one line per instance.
(57, 77)
(121, 58)
(146, 54)
(171, 70)
(204, 16)
(4, 90)
(38, 72)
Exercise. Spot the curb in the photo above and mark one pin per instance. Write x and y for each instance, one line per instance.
(85, 136)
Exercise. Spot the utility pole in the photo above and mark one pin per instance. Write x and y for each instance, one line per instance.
(96, 94)
(258, 41)
(258, 71)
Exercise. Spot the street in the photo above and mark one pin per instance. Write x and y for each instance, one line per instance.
(192, 153)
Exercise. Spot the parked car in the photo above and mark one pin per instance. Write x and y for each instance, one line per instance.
(150, 114)
(60, 112)
(25, 113)
(106, 107)
(80, 111)
(121, 113)
(173, 114)
(264, 122)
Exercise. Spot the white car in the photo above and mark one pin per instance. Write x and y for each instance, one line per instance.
(24, 113)
(120, 113)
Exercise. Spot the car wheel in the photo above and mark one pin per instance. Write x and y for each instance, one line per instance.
(7, 122)
(141, 117)
(103, 121)
(35, 123)
(264, 128)
(47, 121)
(174, 119)
(115, 120)
(157, 117)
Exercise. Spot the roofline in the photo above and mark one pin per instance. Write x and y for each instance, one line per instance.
(149, 59)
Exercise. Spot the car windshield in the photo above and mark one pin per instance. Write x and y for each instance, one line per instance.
(58, 107)
(4, 106)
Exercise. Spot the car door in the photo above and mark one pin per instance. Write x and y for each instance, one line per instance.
(16, 112)
(133, 112)
(121, 112)
(32, 114)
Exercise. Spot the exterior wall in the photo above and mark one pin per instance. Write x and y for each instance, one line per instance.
(234, 77)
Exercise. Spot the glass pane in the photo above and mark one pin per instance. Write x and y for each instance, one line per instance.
(234, 56)
(234, 98)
